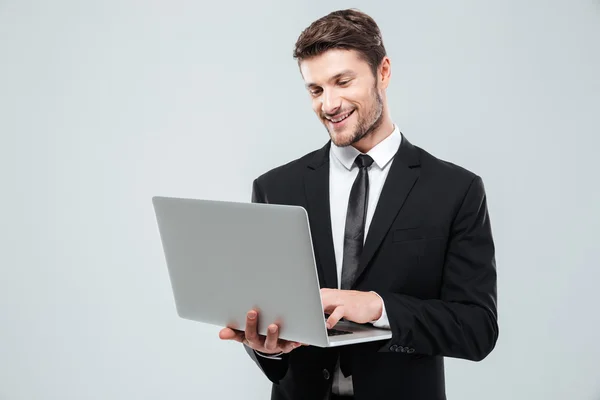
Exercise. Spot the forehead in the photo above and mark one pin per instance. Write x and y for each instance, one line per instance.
(330, 64)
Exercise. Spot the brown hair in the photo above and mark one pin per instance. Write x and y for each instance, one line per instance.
(348, 29)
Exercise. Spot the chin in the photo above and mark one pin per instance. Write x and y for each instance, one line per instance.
(342, 139)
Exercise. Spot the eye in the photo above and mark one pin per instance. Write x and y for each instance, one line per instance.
(344, 83)
(315, 92)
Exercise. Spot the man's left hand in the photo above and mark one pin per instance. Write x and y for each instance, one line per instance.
(352, 305)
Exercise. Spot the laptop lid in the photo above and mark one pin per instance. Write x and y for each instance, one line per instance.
(225, 258)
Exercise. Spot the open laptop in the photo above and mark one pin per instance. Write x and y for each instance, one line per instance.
(226, 258)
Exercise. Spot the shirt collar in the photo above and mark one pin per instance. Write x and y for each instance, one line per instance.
(382, 153)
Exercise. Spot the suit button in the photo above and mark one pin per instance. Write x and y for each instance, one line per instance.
(410, 351)
(326, 374)
(399, 349)
(393, 347)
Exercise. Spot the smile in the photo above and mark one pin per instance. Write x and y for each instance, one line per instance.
(341, 118)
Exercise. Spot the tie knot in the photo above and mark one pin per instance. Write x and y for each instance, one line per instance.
(363, 161)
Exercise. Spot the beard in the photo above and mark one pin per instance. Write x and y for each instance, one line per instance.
(365, 126)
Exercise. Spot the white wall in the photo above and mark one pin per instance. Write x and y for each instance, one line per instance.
(105, 104)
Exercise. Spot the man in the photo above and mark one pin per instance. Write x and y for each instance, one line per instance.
(402, 239)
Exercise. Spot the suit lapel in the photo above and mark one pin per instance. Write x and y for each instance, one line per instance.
(401, 178)
(316, 185)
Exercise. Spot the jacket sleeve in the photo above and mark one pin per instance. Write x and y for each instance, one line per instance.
(274, 369)
(462, 323)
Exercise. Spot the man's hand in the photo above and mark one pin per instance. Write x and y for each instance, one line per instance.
(355, 306)
(270, 344)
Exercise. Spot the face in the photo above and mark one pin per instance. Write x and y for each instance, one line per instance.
(345, 95)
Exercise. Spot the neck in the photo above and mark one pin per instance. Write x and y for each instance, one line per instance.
(383, 131)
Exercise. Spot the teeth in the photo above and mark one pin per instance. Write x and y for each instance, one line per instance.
(341, 119)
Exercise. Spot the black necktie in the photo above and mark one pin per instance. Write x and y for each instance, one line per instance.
(354, 234)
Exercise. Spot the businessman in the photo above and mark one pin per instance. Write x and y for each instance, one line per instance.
(402, 239)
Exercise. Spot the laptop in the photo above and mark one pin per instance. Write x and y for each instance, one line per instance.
(226, 258)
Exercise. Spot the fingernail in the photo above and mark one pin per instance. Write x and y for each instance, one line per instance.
(328, 325)
(251, 315)
(273, 329)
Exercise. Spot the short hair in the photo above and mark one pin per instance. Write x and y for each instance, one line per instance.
(348, 29)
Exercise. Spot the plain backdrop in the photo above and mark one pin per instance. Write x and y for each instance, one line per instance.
(105, 104)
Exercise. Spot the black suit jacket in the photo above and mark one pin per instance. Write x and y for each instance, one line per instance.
(429, 254)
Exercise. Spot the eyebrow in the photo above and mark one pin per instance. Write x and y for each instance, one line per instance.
(337, 76)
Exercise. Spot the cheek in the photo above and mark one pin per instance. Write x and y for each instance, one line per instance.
(357, 98)
(316, 106)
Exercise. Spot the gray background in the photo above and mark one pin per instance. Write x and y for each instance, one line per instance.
(105, 104)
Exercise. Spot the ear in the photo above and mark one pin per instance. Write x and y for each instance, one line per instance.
(384, 72)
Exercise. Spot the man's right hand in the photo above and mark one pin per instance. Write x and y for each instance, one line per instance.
(270, 344)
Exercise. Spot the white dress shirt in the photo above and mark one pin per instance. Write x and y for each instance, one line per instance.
(342, 173)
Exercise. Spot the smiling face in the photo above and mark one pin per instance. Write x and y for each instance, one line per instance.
(346, 96)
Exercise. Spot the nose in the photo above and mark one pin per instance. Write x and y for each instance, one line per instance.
(331, 102)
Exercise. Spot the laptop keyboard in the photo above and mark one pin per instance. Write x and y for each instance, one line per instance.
(337, 332)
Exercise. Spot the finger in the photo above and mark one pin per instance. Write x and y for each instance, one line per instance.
(335, 317)
(330, 299)
(272, 337)
(329, 308)
(226, 334)
(286, 347)
(230, 334)
(251, 333)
